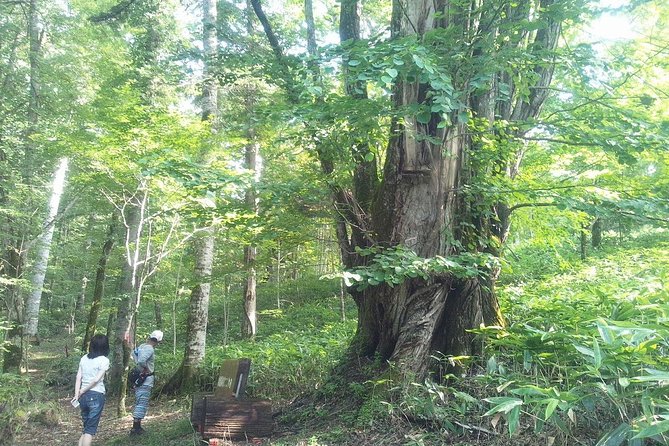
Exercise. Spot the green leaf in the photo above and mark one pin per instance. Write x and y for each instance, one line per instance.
(391, 72)
(463, 117)
(504, 404)
(424, 117)
(353, 63)
(514, 419)
(550, 407)
(598, 353)
(655, 376)
(585, 350)
(615, 437)
(656, 428)
(605, 331)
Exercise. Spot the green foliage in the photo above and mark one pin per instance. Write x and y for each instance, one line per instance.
(600, 342)
(291, 361)
(392, 266)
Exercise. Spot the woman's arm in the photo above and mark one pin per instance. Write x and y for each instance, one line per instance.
(77, 385)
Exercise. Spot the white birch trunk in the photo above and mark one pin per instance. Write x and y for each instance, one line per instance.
(44, 246)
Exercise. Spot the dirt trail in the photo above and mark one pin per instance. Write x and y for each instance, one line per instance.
(64, 427)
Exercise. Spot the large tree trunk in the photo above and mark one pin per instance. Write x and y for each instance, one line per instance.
(421, 206)
(99, 290)
(423, 202)
(196, 341)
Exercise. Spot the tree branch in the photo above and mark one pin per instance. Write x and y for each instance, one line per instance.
(117, 12)
(561, 141)
(271, 37)
(529, 205)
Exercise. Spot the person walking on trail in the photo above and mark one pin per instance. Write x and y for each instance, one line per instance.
(144, 357)
(89, 387)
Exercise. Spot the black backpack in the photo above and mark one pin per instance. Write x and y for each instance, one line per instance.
(136, 378)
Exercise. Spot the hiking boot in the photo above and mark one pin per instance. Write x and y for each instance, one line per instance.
(135, 431)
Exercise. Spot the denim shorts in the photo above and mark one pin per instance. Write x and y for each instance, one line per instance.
(92, 404)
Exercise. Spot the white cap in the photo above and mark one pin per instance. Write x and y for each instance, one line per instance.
(157, 335)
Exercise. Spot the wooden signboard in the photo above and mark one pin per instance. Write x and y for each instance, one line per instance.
(233, 377)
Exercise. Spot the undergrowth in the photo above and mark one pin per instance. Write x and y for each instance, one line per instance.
(581, 360)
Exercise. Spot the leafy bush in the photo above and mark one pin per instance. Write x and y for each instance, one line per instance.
(588, 347)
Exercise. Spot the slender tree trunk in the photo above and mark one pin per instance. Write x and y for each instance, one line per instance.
(99, 290)
(157, 311)
(44, 247)
(122, 338)
(15, 353)
(249, 318)
(251, 153)
(198, 314)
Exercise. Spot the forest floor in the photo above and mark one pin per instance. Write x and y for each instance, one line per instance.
(167, 422)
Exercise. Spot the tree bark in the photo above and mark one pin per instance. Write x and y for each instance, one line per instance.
(198, 316)
(98, 292)
(249, 319)
(44, 247)
(122, 338)
(198, 313)
(81, 299)
(420, 207)
(597, 233)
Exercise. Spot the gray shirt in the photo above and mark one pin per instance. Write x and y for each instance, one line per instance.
(145, 358)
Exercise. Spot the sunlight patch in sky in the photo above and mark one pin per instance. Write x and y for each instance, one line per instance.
(611, 27)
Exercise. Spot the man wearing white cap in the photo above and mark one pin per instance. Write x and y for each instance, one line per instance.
(145, 360)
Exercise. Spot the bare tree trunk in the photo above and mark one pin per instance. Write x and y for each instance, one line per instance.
(44, 246)
(159, 315)
(249, 318)
(251, 153)
(99, 290)
(122, 322)
(198, 313)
